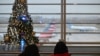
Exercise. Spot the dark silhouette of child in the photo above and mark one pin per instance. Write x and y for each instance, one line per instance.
(61, 49)
(30, 50)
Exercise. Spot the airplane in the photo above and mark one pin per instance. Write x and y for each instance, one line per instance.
(48, 32)
(82, 28)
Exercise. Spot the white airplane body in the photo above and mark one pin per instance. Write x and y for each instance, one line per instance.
(83, 28)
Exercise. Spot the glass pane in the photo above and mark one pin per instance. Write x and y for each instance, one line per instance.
(83, 1)
(7, 1)
(48, 32)
(1, 37)
(4, 19)
(4, 16)
(83, 38)
(44, 19)
(43, 1)
(5, 8)
(44, 8)
(82, 27)
(53, 38)
(83, 19)
(47, 27)
(3, 28)
(83, 9)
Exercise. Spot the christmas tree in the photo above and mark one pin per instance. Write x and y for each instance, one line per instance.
(20, 25)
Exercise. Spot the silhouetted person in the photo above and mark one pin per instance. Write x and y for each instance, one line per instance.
(30, 50)
(61, 49)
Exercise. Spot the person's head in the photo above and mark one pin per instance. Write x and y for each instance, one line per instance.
(30, 50)
(60, 47)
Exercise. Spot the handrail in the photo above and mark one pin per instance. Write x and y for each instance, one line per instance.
(57, 13)
(69, 32)
(71, 42)
(66, 23)
(52, 52)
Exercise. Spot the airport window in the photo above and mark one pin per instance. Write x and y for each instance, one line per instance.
(80, 21)
(77, 22)
(44, 14)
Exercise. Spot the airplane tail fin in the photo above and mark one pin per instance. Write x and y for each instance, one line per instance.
(48, 31)
(50, 27)
(69, 25)
(40, 20)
